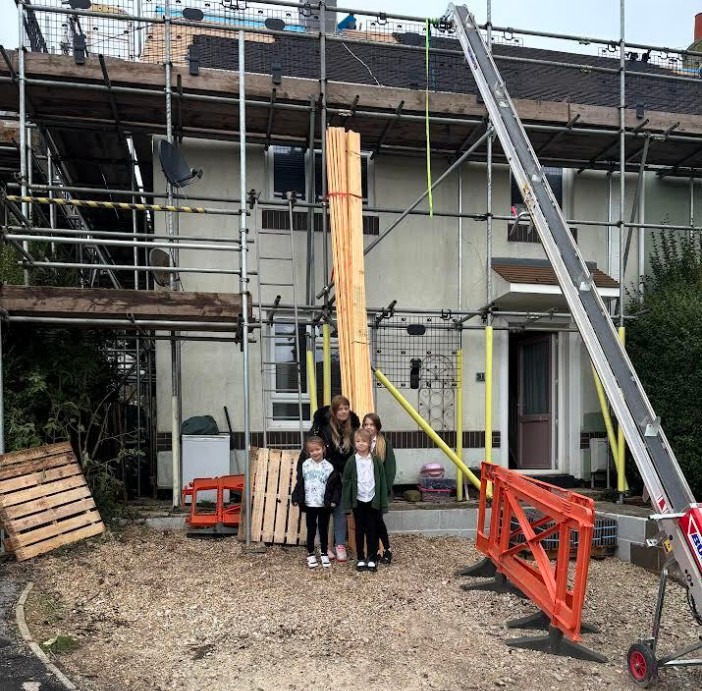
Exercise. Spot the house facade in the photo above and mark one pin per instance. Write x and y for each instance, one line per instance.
(544, 404)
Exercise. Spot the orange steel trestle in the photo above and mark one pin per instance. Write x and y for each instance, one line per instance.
(525, 514)
(229, 515)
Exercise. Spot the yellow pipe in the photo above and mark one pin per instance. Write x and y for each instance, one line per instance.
(326, 363)
(488, 394)
(607, 419)
(311, 380)
(622, 484)
(459, 421)
(427, 429)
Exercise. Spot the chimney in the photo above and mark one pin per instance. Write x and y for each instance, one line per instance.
(698, 27)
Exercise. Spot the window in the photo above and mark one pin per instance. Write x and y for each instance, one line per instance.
(289, 172)
(524, 230)
(284, 409)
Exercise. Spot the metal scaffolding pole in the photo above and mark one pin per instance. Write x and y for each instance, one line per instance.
(170, 231)
(622, 156)
(323, 142)
(21, 84)
(244, 286)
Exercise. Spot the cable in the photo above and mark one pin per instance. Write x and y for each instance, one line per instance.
(363, 63)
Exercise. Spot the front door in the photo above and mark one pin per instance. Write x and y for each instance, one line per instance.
(534, 405)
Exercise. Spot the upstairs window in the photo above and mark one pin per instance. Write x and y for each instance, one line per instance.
(289, 172)
(524, 230)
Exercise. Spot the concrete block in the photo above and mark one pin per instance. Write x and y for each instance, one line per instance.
(394, 520)
(624, 549)
(650, 558)
(458, 519)
(630, 528)
(420, 519)
(166, 523)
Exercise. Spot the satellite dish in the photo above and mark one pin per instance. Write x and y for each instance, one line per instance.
(274, 24)
(160, 259)
(192, 14)
(79, 4)
(175, 167)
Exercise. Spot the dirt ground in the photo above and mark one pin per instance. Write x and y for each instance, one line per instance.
(154, 610)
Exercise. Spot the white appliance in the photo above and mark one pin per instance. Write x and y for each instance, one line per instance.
(205, 455)
(599, 459)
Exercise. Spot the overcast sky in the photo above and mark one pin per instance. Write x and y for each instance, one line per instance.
(647, 21)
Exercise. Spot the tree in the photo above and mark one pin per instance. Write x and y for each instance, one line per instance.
(665, 345)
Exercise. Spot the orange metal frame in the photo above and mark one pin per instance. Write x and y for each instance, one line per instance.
(544, 582)
(229, 515)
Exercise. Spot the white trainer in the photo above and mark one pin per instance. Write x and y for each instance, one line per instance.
(325, 561)
(341, 553)
(312, 561)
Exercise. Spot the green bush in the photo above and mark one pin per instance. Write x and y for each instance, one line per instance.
(665, 345)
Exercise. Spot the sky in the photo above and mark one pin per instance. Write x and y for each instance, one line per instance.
(653, 22)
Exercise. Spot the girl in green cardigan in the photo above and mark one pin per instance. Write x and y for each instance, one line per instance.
(365, 494)
(382, 448)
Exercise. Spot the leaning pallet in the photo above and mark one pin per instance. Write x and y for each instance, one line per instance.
(273, 517)
(346, 216)
(45, 502)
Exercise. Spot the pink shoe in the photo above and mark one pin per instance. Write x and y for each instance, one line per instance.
(341, 553)
(331, 555)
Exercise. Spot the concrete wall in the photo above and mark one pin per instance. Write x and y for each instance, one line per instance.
(417, 265)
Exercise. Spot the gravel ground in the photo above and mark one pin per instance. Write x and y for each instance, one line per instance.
(161, 611)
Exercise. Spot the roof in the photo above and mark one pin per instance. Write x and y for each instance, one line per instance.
(402, 65)
(540, 272)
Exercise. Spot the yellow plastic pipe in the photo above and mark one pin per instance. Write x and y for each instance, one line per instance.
(424, 425)
(326, 363)
(311, 380)
(459, 421)
(622, 484)
(609, 426)
(488, 393)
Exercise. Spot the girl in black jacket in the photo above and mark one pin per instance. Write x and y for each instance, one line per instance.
(317, 492)
(336, 424)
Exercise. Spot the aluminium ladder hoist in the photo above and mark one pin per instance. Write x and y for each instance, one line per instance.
(677, 514)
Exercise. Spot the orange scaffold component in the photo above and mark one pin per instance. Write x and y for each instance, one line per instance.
(207, 517)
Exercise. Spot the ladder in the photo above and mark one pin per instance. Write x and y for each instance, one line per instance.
(677, 514)
(275, 263)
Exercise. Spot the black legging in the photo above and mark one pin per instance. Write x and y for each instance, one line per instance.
(366, 530)
(383, 533)
(317, 518)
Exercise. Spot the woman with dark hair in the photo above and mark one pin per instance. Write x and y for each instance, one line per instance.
(336, 424)
(382, 448)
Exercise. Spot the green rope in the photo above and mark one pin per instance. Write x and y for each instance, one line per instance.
(426, 118)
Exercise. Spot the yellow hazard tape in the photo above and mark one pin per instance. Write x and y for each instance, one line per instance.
(92, 204)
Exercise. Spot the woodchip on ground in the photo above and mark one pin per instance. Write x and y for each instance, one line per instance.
(154, 610)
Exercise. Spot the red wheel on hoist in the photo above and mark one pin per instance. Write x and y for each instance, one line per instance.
(642, 664)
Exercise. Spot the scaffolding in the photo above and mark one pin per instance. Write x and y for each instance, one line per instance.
(132, 70)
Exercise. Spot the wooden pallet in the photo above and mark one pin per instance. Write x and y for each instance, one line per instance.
(273, 518)
(45, 502)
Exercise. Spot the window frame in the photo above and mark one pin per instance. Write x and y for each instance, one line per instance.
(275, 396)
(369, 201)
(515, 208)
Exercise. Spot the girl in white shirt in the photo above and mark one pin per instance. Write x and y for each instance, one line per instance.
(365, 493)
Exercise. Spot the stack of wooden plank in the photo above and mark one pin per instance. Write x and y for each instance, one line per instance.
(346, 215)
(273, 517)
(45, 502)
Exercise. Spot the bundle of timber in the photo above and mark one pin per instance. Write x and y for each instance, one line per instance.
(45, 502)
(346, 215)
